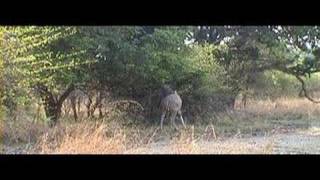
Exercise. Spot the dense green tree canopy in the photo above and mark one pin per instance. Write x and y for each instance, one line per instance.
(203, 63)
(251, 49)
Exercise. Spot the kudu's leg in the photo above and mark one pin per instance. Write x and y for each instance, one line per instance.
(180, 114)
(162, 119)
(173, 117)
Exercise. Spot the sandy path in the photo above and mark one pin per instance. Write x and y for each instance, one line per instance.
(303, 142)
(298, 142)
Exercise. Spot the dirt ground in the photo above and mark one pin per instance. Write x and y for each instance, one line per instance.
(297, 142)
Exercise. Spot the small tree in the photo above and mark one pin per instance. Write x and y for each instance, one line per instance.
(48, 61)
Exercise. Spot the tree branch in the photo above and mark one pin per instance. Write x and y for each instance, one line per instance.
(304, 91)
(44, 93)
(65, 94)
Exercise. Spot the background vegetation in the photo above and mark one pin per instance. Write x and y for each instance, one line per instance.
(50, 74)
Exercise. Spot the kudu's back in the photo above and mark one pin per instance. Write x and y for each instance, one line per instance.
(171, 103)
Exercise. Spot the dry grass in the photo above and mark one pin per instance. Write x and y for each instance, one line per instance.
(284, 107)
(186, 143)
(1, 135)
(189, 143)
(219, 135)
(221, 147)
(95, 138)
(82, 138)
(261, 117)
(21, 130)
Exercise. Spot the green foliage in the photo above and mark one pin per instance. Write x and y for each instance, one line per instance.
(213, 77)
(252, 50)
(48, 55)
(45, 56)
(132, 62)
(273, 84)
(9, 92)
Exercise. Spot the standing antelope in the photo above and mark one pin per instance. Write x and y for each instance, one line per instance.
(170, 102)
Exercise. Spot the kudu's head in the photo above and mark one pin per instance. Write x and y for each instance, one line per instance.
(165, 91)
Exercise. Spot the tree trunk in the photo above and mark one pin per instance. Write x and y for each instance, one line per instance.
(79, 105)
(53, 105)
(98, 102)
(100, 111)
(74, 109)
(233, 102)
(89, 106)
(244, 100)
(52, 112)
(245, 95)
(230, 103)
